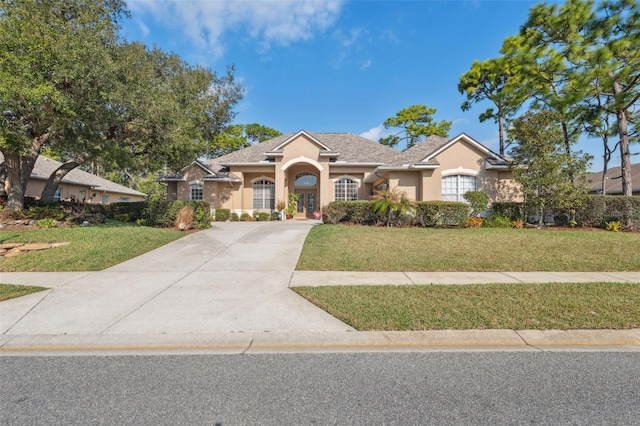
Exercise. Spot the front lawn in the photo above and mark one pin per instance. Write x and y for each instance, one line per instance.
(482, 306)
(91, 248)
(360, 248)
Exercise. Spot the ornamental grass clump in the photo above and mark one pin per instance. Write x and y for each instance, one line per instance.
(184, 219)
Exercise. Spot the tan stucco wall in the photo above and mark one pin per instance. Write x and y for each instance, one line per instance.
(407, 182)
(464, 159)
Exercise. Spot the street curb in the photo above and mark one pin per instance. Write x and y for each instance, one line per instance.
(322, 341)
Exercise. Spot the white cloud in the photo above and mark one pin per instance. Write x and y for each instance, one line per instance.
(205, 23)
(366, 64)
(375, 133)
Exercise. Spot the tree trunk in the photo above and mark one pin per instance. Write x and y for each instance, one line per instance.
(16, 180)
(19, 167)
(501, 131)
(625, 156)
(54, 180)
(3, 177)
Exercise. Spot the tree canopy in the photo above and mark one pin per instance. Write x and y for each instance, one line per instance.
(71, 85)
(415, 122)
(579, 59)
(238, 136)
(543, 167)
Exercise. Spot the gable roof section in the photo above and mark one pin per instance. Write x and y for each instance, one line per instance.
(614, 180)
(462, 136)
(44, 167)
(297, 135)
(346, 148)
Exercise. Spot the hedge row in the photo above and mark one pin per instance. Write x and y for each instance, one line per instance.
(427, 213)
(158, 213)
(596, 211)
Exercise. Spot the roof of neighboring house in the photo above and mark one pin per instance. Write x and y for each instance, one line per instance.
(342, 147)
(614, 180)
(44, 167)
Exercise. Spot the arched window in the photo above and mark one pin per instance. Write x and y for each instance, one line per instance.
(455, 186)
(345, 190)
(196, 191)
(264, 193)
(305, 179)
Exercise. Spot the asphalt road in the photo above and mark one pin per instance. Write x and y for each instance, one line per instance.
(479, 388)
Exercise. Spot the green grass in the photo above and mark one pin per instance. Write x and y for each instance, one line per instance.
(483, 306)
(10, 291)
(360, 248)
(91, 248)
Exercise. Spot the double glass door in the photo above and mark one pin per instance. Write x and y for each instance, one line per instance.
(306, 202)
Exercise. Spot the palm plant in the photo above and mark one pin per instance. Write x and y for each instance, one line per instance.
(393, 205)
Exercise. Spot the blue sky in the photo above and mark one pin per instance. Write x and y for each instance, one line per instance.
(339, 66)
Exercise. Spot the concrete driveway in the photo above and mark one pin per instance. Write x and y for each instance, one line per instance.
(233, 277)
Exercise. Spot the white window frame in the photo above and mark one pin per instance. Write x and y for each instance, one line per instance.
(266, 198)
(340, 184)
(460, 186)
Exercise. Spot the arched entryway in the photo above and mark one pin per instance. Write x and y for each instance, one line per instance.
(305, 186)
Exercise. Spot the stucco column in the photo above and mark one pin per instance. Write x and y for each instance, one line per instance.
(281, 191)
(325, 185)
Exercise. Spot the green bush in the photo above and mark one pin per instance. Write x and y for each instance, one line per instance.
(274, 216)
(45, 223)
(245, 216)
(262, 216)
(600, 209)
(222, 215)
(161, 213)
(334, 213)
(514, 211)
(54, 212)
(234, 217)
(478, 200)
(498, 222)
(441, 213)
(124, 217)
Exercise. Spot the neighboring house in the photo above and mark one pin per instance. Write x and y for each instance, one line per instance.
(324, 167)
(78, 185)
(614, 181)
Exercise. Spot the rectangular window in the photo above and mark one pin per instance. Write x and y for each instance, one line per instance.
(196, 192)
(346, 190)
(454, 187)
(264, 193)
(58, 195)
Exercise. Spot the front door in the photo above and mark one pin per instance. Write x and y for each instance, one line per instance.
(306, 203)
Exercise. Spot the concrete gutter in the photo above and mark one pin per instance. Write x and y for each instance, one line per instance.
(322, 342)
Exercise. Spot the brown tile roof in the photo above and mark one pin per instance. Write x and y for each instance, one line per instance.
(422, 150)
(614, 180)
(349, 148)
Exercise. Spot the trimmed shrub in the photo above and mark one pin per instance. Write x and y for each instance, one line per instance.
(497, 222)
(245, 216)
(222, 215)
(600, 209)
(234, 217)
(262, 216)
(478, 200)
(514, 211)
(441, 213)
(274, 216)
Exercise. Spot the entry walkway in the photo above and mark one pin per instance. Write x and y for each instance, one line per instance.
(226, 289)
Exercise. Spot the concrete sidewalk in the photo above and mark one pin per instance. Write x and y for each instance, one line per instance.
(226, 289)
